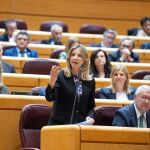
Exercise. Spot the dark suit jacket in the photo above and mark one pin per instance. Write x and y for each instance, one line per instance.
(13, 52)
(4, 37)
(115, 56)
(64, 95)
(145, 46)
(106, 93)
(51, 42)
(126, 117)
(100, 45)
(8, 68)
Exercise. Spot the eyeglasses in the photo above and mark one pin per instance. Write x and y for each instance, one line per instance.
(24, 39)
(125, 46)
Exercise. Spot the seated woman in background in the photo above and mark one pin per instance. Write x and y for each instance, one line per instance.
(3, 89)
(72, 41)
(119, 89)
(100, 66)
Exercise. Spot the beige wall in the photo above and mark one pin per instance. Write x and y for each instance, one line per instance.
(112, 14)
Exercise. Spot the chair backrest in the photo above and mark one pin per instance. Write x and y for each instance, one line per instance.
(21, 24)
(132, 31)
(55, 53)
(140, 74)
(46, 26)
(38, 66)
(104, 115)
(92, 29)
(32, 118)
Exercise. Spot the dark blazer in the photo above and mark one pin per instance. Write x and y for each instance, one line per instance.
(4, 37)
(107, 93)
(115, 56)
(126, 117)
(64, 95)
(13, 52)
(145, 46)
(8, 68)
(51, 42)
(100, 45)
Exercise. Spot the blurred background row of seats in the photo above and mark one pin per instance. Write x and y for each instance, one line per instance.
(86, 28)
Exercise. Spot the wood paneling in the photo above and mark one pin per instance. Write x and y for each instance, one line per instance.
(115, 14)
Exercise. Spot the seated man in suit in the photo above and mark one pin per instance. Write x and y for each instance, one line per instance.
(125, 52)
(6, 67)
(21, 49)
(56, 36)
(10, 27)
(136, 114)
(109, 37)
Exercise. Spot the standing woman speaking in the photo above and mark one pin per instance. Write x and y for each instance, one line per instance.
(72, 89)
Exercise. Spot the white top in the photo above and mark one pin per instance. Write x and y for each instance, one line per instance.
(141, 33)
(121, 96)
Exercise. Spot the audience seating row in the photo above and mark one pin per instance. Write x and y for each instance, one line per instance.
(45, 51)
(25, 82)
(10, 109)
(84, 38)
(19, 63)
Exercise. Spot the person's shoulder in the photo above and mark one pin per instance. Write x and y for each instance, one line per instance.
(115, 46)
(145, 45)
(3, 37)
(126, 109)
(132, 89)
(32, 51)
(10, 51)
(4, 89)
(95, 45)
(106, 90)
(45, 41)
(6, 65)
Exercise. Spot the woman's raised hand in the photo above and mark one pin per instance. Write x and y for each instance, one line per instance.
(53, 75)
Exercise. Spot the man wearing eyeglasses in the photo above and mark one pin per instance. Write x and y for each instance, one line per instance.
(21, 50)
(125, 52)
(136, 114)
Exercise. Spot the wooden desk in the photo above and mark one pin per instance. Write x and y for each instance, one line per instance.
(10, 109)
(82, 137)
(25, 82)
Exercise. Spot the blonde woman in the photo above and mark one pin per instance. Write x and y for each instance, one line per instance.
(119, 89)
(72, 90)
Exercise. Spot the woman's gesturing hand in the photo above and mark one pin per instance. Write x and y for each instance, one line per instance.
(54, 73)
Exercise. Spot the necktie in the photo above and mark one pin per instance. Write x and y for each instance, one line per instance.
(141, 121)
(22, 54)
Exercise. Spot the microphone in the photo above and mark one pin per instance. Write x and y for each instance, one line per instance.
(78, 93)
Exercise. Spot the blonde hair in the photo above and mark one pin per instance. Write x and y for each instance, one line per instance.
(84, 73)
(113, 72)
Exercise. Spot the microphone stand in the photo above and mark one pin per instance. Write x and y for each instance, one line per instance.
(77, 97)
